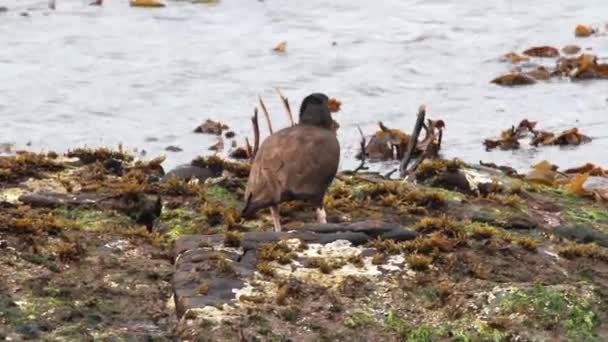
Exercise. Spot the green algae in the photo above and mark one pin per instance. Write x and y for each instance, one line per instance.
(548, 308)
(359, 318)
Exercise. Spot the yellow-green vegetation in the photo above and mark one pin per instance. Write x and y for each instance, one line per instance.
(527, 243)
(233, 239)
(385, 246)
(89, 156)
(356, 260)
(419, 262)
(588, 216)
(483, 231)
(572, 250)
(548, 308)
(435, 167)
(217, 164)
(513, 201)
(359, 318)
(178, 187)
(203, 289)
(275, 251)
(222, 265)
(181, 221)
(324, 265)
(444, 225)
(379, 259)
(26, 164)
(432, 243)
(265, 269)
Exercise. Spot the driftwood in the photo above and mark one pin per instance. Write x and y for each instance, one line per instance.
(413, 141)
(286, 105)
(248, 148)
(363, 141)
(266, 114)
(256, 133)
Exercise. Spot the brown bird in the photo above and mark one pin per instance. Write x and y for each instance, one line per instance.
(295, 163)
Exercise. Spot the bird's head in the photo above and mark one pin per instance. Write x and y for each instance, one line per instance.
(315, 111)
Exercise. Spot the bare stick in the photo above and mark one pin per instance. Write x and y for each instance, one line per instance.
(256, 133)
(362, 165)
(248, 148)
(411, 146)
(286, 105)
(266, 114)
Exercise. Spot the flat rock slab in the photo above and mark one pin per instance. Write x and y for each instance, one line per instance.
(206, 272)
(53, 200)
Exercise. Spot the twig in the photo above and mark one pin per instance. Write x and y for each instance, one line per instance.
(286, 105)
(248, 149)
(390, 173)
(362, 165)
(256, 133)
(413, 141)
(266, 114)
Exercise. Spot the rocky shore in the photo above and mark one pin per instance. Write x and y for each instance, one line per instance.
(95, 245)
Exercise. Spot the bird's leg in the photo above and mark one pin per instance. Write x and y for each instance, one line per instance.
(276, 218)
(321, 215)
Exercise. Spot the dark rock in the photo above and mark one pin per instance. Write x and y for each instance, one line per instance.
(400, 235)
(582, 233)
(355, 238)
(3, 9)
(519, 222)
(114, 166)
(453, 180)
(53, 200)
(199, 268)
(188, 242)
(29, 330)
(188, 172)
(172, 148)
(211, 127)
(229, 134)
(252, 240)
(485, 216)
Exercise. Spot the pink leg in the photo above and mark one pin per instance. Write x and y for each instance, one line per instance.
(321, 215)
(276, 218)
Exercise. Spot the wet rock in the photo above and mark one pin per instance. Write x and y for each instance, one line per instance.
(542, 51)
(54, 200)
(253, 239)
(541, 73)
(217, 147)
(485, 216)
(173, 148)
(356, 239)
(514, 79)
(115, 166)
(583, 234)
(187, 242)
(204, 277)
(188, 172)
(371, 228)
(211, 127)
(239, 153)
(400, 235)
(571, 49)
(453, 179)
(521, 221)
